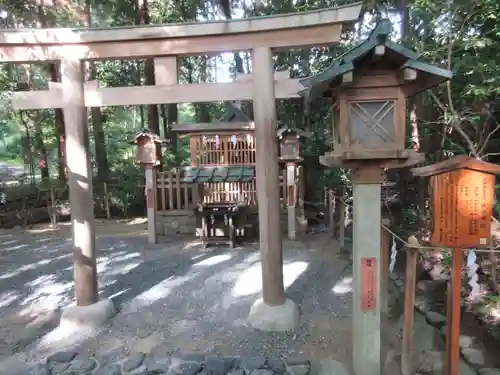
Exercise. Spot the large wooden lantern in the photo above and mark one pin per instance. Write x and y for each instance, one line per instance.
(289, 142)
(369, 85)
(148, 147)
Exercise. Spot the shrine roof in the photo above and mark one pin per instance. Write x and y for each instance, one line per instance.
(207, 174)
(234, 114)
(456, 163)
(399, 56)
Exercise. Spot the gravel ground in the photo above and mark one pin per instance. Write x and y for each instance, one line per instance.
(173, 297)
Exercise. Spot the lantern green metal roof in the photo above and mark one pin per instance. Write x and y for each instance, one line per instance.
(285, 130)
(399, 56)
(206, 174)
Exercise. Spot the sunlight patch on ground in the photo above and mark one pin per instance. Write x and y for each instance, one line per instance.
(212, 261)
(106, 263)
(8, 298)
(9, 242)
(48, 294)
(192, 244)
(15, 247)
(159, 291)
(32, 266)
(137, 221)
(344, 286)
(250, 281)
(61, 338)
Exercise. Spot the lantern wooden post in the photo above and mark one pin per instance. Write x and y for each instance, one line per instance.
(290, 154)
(148, 151)
(367, 185)
(462, 204)
(80, 183)
(151, 202)
(291, 200)
(273, 312)
(369, 88)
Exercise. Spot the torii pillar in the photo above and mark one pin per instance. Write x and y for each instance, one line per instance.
(272, 312)
(89, 311)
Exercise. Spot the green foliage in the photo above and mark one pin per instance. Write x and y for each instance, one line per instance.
(461, 118)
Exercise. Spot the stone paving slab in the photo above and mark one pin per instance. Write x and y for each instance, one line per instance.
(71, 363)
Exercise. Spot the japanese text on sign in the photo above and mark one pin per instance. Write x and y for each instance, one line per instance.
(462, 206)
(368, 284)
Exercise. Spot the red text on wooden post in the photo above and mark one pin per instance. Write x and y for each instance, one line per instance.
(368, 284)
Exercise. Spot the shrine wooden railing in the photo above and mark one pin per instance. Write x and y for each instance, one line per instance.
(224, 149)
(176, 196)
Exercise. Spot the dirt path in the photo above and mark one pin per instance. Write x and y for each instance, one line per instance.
(172, 296)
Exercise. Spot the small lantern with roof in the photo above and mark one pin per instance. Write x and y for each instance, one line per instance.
(289, 139)
(148, 147)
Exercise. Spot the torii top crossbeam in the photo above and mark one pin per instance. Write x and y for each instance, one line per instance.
(316, 28)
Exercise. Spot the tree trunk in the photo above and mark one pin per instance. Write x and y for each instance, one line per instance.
(143, 18)
(101, 156)
(33, 120)
(54, 76)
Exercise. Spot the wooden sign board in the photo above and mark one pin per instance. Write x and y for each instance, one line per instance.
(462, 204)
(368, 284)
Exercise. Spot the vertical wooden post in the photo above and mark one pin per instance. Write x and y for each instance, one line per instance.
(385, 240)
(267, 176)
(341, 207)
(151, 192)
(453, 315)
(106, 201)
(80, 182)
(409, 310)
(53, 208)
(366, 265)
(332, 207)
(301, 194)
(291, 201)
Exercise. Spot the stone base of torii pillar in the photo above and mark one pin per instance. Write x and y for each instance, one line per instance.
(266, 317)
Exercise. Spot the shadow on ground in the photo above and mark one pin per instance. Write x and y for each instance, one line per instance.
(171, 297)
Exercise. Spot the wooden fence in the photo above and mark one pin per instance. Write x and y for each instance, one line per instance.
(175, 195)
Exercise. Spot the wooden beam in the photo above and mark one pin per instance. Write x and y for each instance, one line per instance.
(284, 74)
(199, 45)
(159, 94)
(293, 21)
(409, 74)
(214, 127)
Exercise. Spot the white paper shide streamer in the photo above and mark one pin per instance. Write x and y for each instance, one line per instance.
(472, 274)
(394, 253)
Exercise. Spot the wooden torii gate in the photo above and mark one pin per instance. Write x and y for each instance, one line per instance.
(261, 35)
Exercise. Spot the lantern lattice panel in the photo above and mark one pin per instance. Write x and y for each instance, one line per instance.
(372, 123)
